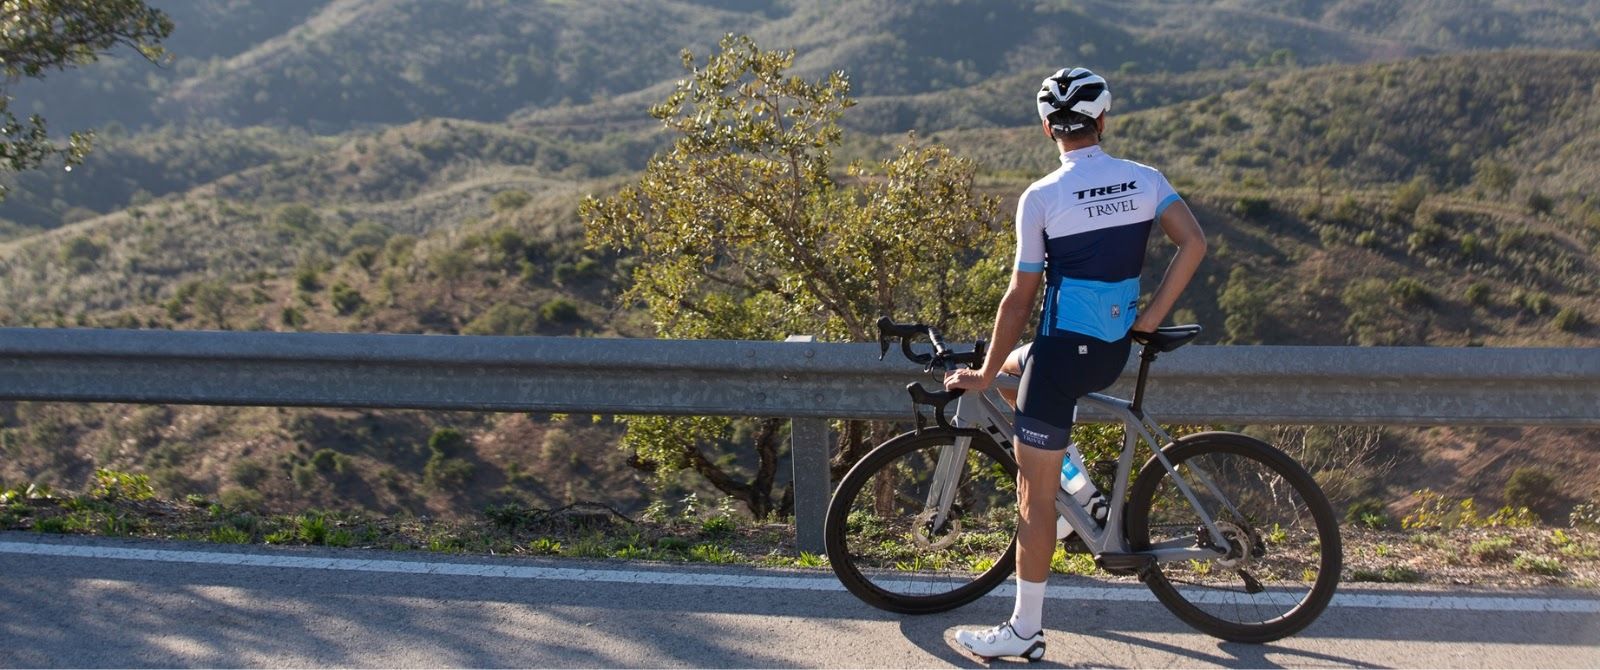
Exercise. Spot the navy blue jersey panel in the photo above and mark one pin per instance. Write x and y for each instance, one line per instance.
(1107, 254)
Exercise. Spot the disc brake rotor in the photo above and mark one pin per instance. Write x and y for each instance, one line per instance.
(920, 529)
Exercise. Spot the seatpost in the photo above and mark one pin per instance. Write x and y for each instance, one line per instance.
(1146, 356)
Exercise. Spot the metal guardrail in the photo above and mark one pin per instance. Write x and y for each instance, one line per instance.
(805, 381)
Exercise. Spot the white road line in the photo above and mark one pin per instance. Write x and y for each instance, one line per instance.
(670, 578)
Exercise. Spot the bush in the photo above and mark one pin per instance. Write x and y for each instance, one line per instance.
(1568, 320)
(1539, 565)
(81, 253)
(114, 485)
(1409, 197)
(447, 442)
(1410, 292)
(1370, 512)
(1533, 301)
(241, 499)
(560, 310)
(1250, 207)
(1585, 516)
(1492, 550)
(328, 460)
(294, 221)
(1478, 294)
(503, 319)
(307, 279)
(247, 473)
(292, 318)
(506, 201)
(1532, 488)
(345, 299)
(446, 474)
(1539, 203)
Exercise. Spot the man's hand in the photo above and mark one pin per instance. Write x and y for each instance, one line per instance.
(971, 380)
(1146, 325)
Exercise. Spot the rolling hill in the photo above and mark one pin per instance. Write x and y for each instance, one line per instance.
(412, 166)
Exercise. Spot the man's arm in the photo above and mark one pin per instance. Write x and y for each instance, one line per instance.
(1181, 227)
(1009, 321)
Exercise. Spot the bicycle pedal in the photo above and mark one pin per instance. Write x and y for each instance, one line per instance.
(1125, 564)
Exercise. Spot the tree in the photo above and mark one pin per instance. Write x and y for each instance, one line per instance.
(745, 230)
(38, 36)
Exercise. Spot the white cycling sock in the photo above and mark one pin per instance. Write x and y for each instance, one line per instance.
(1027, 615)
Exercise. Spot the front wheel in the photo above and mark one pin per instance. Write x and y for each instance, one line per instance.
(1285, 552)
(926, 522)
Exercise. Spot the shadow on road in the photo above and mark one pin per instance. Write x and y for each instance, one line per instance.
(138, 613)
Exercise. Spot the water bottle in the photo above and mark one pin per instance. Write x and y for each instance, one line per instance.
(1075, 481)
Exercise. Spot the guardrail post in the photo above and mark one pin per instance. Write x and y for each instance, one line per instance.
(813, 485)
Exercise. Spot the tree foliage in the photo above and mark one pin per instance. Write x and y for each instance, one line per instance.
(38, 36)
(745, 230)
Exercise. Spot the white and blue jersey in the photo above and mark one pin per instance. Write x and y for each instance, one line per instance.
(1085, 225)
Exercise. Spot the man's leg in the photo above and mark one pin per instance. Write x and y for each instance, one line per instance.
(1038, 478)
(1013, 366)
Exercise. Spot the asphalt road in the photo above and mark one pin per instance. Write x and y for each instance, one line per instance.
(84, 602)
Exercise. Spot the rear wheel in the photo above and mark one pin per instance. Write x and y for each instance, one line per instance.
(1286, 555)
(896, 548)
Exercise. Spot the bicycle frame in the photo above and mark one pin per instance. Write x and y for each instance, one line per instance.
(985, 412)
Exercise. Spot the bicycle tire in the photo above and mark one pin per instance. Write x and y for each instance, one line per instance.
(1310, 522)
(872, 578)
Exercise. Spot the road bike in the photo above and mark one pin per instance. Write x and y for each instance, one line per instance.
(1230, 533)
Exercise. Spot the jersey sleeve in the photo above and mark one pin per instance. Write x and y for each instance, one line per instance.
(1165, 194)
(1030, 232)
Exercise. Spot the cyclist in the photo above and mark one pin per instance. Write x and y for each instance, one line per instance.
(1081, 230)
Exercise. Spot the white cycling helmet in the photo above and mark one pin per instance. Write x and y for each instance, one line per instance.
(1078, 91)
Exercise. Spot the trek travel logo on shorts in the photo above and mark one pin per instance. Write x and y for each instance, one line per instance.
(1033, 435)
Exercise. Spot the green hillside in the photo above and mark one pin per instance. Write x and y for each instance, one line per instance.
(415, 166)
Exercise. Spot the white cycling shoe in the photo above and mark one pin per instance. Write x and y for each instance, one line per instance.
(1002, 640)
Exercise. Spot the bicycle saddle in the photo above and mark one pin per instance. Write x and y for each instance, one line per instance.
(1167, 338)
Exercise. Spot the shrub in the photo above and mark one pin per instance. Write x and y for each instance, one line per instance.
(296, 220)
(1409, 197)
(1369, 512)
(292, 318)
(446, 474)
(1533, 301)
(307, 279)
(513, 199)
(311, 528)
(1532, 488)
(446, 441)
(1539, 203)
(1478, 293)
(560, 310)
(1492, 550)
(363, 257)
(717, 526)
(1410, 292)
(1538, 565)
(114, 485)
(228, 535)
(1251, 207)
(503, 319)
(241, 499)
(508, 242)
(346, 299)
(328, 460)
(81, 253)
(1569, 320)
(1585, 516)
